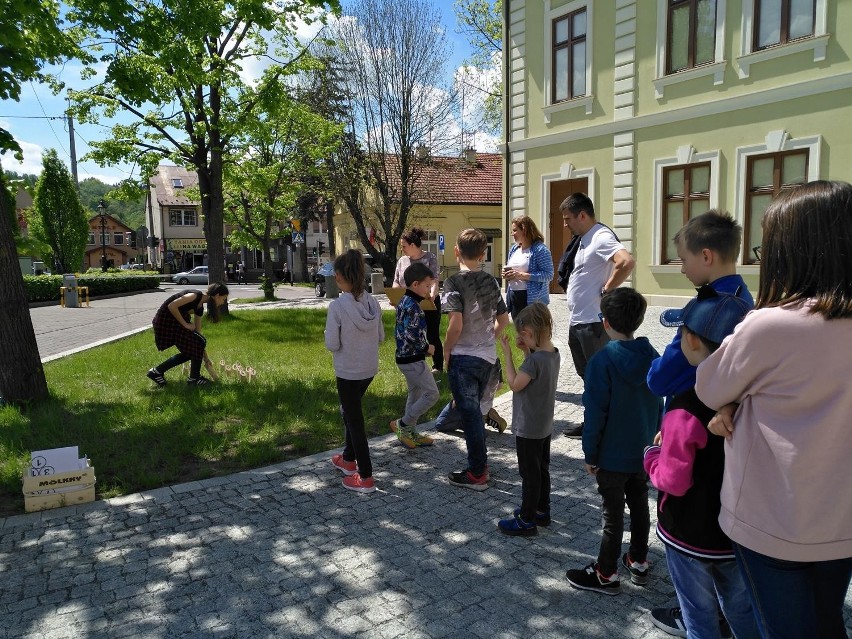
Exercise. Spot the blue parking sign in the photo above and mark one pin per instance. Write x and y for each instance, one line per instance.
(441, 243)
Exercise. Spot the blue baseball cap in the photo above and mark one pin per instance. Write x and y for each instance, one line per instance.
(710, 314)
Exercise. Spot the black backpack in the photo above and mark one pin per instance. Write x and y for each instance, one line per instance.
(566, 262)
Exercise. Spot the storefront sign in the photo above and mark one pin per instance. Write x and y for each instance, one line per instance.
(186, 244)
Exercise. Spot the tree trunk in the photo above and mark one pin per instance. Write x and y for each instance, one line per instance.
(21, 374)
(329, 223)
(268, 274)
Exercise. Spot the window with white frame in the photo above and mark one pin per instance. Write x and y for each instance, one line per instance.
(776, 28)
(690, 42)
(568, 35)
(183, 217)
(686, 194)
(568, 57)
(782, 21)
(430, 242)
(691, 39)
(177, 183)
(685, 186)
(767, 175)
(91, 237)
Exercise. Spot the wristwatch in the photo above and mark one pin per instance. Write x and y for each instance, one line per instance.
(603, 291)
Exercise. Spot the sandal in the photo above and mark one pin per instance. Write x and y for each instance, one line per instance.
(156, 376)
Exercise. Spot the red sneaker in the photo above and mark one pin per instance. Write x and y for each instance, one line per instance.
(348, 467)
(356, 483)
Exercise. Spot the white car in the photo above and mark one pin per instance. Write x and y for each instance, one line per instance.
(198, 275)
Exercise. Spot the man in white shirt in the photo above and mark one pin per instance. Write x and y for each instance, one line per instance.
(601, 264)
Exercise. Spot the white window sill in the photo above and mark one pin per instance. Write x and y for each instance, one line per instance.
(816, 44)
(577, 103)
(716, 69)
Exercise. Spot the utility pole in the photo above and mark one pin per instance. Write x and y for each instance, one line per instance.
(72, 146)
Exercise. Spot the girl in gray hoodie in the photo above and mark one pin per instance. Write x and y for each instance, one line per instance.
(353, 332)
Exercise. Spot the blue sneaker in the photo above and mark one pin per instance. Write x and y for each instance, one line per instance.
(541, 519)
(517, 527)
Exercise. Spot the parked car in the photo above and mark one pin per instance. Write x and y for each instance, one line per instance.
(327, 270)
(198, 275)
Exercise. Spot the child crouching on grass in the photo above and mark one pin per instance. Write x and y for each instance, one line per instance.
(412, 347)
(353, 332)
(533, 400)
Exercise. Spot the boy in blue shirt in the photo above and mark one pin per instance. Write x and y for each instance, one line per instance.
(708, 246)
(477, 316)
(412, 347)
(621, 418)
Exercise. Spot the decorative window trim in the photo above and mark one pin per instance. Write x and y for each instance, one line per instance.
(716, 68)
(577, 103)
(684, 155)
(774, 142)
(818, 43)
(585, 101)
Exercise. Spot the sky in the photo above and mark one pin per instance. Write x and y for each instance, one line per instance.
(37, 121)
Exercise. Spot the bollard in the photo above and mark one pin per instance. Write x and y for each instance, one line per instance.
(69, 281)
(331, 289)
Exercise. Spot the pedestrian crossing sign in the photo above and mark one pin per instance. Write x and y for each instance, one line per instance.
(298, 238)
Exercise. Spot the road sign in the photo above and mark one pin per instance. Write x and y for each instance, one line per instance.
(441, 244)
(298, 238)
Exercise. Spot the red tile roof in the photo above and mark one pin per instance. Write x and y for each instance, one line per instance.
(453, 180)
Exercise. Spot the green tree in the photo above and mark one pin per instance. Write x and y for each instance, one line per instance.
(31, 35)
(262, 185)
(129, 211)
(393, 55)
(482, 22)
(57, 219)
(179, 71)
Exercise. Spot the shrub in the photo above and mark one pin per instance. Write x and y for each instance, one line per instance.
(42, 288)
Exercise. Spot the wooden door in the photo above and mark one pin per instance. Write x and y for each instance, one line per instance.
(559, 235)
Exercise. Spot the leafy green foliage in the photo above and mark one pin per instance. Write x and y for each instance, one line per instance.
(45, 288)
(57, 219)
(178, 70)
(482, 22)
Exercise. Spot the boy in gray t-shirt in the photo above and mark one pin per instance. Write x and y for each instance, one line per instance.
(477, 316)
(533, 400)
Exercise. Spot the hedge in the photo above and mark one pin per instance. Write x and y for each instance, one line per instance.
(43, 288)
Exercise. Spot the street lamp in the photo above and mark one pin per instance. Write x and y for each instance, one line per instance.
(102, 212)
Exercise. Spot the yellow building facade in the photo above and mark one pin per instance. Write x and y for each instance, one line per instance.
(661, 109)
(466, 193)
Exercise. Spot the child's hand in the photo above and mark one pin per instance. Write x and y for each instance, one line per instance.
(430, 350)
(592, 470)
(722, 423)
(658, 438)
(504, 340)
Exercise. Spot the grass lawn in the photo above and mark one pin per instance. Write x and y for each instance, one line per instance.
(141, 437)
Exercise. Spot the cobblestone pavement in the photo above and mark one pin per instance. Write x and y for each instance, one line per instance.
(285, 551)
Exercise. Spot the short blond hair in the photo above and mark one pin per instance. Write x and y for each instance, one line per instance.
(537, 318)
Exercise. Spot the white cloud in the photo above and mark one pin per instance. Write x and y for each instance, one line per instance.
(32, 159)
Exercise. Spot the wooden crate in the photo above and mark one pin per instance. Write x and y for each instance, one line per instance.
(41, 493)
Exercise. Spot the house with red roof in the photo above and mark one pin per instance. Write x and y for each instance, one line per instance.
(451, 193)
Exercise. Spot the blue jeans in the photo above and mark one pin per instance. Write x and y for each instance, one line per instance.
(702, 586)
(796, 598)
(468, 377)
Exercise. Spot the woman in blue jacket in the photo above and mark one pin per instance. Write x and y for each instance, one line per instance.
(529, 267)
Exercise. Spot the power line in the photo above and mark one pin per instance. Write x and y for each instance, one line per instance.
(41, 106)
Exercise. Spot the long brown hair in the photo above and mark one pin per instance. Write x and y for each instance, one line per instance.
(217, 288)
(350, 265)
(806, 253)
(526, 226)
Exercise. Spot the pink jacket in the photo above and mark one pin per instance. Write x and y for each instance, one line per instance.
(787, 467)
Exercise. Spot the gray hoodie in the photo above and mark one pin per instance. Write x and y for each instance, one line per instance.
(353, 332)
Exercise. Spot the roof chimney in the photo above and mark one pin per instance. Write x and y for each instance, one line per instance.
(421, 152)
(470, 156)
